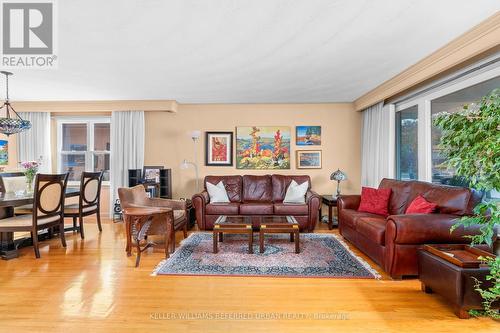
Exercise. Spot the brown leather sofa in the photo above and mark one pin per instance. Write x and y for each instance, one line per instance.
(256, 196)
(392, 241)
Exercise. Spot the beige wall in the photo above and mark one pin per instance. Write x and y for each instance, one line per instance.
(168, 141)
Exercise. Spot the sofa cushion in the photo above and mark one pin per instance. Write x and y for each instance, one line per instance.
(233, 185)
(231, 208)
(399, 196)
(375, 201)
(291, 209)
(256, 208)
(350, 216)
(257, 189)
(217, 193)
(420, 206)
(372, 228)
(296, 193)
(450, 199)
(280, 184)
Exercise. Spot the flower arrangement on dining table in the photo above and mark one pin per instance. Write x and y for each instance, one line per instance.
(30, 171)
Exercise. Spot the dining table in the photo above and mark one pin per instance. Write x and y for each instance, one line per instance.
(8, 201)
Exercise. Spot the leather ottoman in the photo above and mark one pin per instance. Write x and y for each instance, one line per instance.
(452, 282)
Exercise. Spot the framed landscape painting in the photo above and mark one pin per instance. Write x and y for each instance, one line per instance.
(308, 135)
(263, 147)
(219, 149)
(309, 159)
(4, 152)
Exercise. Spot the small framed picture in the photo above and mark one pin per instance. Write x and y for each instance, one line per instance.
(309, 159)
(308, 135)
(219, 149)
(152, 173)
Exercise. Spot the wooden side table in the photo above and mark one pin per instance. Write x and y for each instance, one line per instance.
(232, 225)
(139, 221)
(286, 225)
(330, 201)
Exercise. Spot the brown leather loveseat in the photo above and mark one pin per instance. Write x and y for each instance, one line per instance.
(256, 196)
(392, 241)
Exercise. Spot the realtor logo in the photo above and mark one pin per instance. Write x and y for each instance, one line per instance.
(28, 34)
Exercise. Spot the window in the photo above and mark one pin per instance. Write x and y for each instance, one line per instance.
(407, 143)
(84, 145)
(451, 103)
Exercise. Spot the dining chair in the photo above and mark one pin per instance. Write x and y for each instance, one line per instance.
(48, 209)
(136, 197)
(89, 201)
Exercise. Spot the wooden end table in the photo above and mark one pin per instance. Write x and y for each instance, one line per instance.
(232, 225)
(140, 220)
(280, 225)
(330, 201)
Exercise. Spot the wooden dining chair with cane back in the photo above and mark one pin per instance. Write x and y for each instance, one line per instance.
(48, 209)
(89, 201)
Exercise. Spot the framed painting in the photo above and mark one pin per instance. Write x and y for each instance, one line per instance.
(219, 149)
(152, 173)
(308, 135)
(263, 147)
(4, 152)
(309, 159)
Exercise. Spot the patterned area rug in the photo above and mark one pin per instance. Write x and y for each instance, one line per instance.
(321, 255)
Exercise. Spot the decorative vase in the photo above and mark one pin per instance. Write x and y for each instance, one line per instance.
(29, 185)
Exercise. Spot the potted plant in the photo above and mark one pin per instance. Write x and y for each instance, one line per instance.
(471, 141)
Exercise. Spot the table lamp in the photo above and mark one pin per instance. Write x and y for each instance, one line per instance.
(338, 176)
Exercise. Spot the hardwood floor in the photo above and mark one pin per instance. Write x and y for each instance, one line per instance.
(91, 286)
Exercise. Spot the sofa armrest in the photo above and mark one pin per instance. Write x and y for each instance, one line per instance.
(348, 202)
(310, 195)
(168, 203)
(313, 201)
(200, 200)
(426, 228)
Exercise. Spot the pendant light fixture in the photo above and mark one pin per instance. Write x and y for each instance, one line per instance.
(15, 124)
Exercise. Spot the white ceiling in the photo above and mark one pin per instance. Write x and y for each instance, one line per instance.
(241, 51)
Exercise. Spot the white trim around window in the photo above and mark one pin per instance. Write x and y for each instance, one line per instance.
(423, 102)
(89, 153)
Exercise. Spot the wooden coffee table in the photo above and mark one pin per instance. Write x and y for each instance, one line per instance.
(280, 225)
(232, 225)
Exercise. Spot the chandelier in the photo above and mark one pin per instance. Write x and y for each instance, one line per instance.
(15, 124)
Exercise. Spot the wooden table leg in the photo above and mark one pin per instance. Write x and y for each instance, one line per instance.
(261, 240)
(291, 237)
(128, 226)
(330, 217)
(215, 241)
(250, 242)
(297, 245)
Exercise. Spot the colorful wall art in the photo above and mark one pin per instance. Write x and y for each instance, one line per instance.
(263, 147)
(308, 135)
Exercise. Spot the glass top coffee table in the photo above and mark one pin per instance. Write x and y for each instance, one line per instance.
(243, 225)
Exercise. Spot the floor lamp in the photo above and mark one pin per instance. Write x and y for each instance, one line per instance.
(195, 136)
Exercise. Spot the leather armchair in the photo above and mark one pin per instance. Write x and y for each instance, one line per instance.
(136, 197)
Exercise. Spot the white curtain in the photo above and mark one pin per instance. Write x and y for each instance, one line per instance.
(34, 144)
(376, 144)
(127, 148)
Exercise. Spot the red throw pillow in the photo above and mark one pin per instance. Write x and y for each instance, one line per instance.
(420, 206)
(375, 200)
